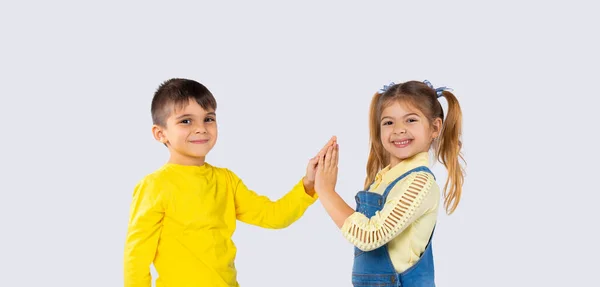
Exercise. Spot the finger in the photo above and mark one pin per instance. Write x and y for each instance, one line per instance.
(321, 153)
(328, 144)
(313, 162)
(336, 154)
(320, 163)
(328, 157)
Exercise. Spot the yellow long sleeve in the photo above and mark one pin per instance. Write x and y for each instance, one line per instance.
(259, 210)
(183, 218)
(146, 216)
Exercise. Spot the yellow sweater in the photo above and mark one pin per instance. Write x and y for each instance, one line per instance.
(407, 219)
(182, 219)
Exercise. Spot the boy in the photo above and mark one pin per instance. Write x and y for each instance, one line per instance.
(183, 215)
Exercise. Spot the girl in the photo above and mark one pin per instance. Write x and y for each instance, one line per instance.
(396, 214)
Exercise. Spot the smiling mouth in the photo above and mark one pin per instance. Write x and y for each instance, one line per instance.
(402, 143)
(199, 141)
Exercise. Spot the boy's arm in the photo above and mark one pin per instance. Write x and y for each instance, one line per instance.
(145, 223)
(259, 210)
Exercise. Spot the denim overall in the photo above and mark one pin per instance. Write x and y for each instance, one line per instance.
(375, 268)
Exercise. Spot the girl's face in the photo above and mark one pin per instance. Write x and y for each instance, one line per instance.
(406, 131)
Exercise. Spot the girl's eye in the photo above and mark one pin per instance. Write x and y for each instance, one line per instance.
(412, 120)
(387, 123)
(186, 121)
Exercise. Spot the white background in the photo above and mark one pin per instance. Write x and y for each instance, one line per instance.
(77, 80)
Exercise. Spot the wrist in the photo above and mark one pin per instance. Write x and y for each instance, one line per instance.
(309, 186)
(329, 190)
(325, 190)
(308, 183)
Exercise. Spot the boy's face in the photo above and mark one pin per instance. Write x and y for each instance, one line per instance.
(190, 133)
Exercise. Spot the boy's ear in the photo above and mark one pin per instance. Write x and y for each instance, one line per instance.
(159, 134)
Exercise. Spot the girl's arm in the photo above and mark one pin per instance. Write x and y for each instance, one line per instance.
(413, 199)
(326, 177)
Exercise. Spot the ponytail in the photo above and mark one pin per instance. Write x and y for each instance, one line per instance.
(448, 152)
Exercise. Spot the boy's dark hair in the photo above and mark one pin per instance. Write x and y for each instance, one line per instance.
(175, 94)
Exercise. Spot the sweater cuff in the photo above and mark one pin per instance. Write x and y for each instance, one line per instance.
(301, 194)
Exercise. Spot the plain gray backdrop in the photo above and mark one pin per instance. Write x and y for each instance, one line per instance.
(77, 80)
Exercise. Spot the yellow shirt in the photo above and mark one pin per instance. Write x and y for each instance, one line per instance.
(182, 219)
(407, 219)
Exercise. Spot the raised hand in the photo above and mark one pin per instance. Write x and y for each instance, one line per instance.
(325, 180)
(327, 170)
(311, 168)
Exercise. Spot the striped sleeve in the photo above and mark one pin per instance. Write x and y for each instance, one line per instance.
(403, 206)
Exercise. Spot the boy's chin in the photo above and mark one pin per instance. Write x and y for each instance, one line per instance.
(193, 154)
(199, 154)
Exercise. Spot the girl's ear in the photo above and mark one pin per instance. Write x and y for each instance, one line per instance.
(437, 128)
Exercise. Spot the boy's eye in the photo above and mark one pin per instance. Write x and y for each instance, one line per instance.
(209, 120)
(186, 121)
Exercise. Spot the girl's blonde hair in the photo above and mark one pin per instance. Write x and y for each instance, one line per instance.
(447, 146)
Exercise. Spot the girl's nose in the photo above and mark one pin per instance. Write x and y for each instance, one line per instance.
(400, 131)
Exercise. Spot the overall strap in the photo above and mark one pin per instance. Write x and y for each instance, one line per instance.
(393, 183)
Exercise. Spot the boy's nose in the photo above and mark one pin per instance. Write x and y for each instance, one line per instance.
(200, 130)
